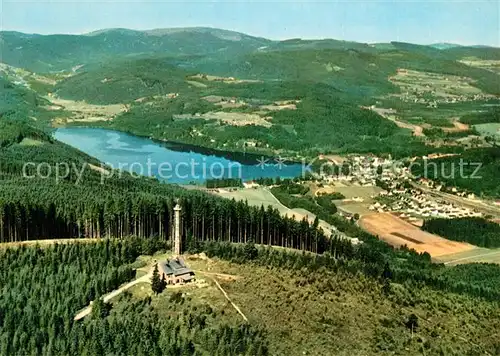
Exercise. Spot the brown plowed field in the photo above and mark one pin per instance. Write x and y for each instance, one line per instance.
(398, 232)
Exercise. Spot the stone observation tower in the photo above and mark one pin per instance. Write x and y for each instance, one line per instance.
(177, 230)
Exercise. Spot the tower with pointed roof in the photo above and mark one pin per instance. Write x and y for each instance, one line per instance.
(177, 230)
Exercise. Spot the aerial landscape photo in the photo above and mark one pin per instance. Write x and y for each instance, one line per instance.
(228, 178)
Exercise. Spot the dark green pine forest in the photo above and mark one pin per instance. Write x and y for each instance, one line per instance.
(476, 231)
(42, 288)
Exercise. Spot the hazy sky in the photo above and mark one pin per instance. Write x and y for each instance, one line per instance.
(464, 22)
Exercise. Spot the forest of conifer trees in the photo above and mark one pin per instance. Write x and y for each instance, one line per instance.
(43, 288)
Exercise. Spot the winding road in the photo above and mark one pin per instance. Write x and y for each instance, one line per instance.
(144, 279)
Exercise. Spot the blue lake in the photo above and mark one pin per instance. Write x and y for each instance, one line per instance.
(172, 162)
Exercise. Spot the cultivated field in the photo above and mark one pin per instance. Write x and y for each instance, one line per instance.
(457, 127)
(440, 86)
(83, 112)
(492, 129)
(398, 232)
(230, 118)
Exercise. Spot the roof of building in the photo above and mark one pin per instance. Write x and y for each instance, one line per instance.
(175, 267)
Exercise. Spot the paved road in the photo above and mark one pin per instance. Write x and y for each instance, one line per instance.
(109, 296)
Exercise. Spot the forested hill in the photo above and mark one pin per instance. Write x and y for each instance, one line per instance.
(17, 100)
(62, 52)
(46, 53)
(230, 91)
(124, 81)
(476, 171)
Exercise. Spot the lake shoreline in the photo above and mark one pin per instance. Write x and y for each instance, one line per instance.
(239, 156)
(172, 162)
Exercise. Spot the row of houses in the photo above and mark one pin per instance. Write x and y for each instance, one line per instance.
(442, 188)
(415, 203)
(364, 171)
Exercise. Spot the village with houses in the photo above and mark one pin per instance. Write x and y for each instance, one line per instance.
(400, 192)
(372, 184)
(379, 194)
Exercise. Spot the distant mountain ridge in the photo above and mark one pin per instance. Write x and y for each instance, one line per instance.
(220, 33)
(50, 53)
(45, 53)
(444, 45)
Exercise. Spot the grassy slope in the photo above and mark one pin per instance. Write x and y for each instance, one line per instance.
(353, 71)
(16, 100)
(303, 298)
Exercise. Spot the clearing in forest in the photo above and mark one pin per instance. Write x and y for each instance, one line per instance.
(230, 118)
(323, 313)
(398, 232)
(263, 197)
(84, 112)
(415, 85)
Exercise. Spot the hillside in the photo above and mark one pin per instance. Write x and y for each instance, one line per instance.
(475, 171)
(355, 71)
(123, 81)
(86, 202)
(168, 103)
(230, 91)
(16, 99)
(62, 52)
(294, 306)
(302, 290)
